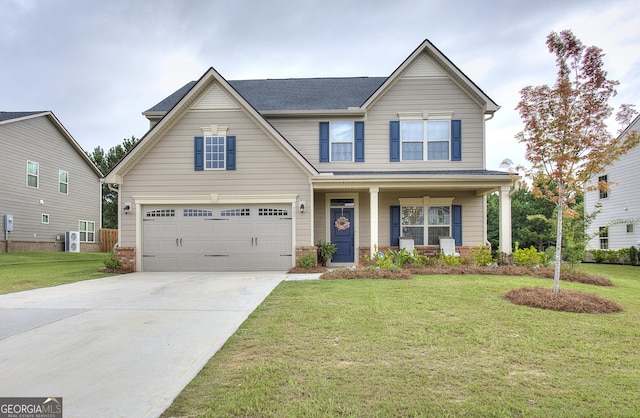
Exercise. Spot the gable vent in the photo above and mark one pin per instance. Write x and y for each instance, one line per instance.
(424, 67)
(214, 98)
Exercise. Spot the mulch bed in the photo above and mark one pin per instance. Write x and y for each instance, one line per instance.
(564, 300)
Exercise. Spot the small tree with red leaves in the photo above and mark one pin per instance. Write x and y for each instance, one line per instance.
(565, 131)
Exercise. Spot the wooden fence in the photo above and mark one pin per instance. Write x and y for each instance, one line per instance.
(108, 238)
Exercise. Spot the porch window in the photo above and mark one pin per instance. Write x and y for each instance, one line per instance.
(415, 225)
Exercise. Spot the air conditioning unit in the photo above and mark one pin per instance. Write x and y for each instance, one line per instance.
(72, 241)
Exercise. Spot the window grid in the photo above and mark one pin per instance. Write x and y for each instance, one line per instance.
(63, 182)
(33, 174)
(341, 136)
(161, 213)
(272, 212)
(87, 231)
(196, 212)
(604, 237)
(214, 152)
(425, 140)
(436, 224)
(603, 193)
(236, 212)
(45, 218)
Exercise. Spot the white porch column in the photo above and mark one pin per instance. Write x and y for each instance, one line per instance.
(505, 220)
(373, 227)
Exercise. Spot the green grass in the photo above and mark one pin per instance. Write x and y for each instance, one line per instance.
(25, 271)
(431, 346)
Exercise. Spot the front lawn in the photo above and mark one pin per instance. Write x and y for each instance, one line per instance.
(25, 271)
(429, 346)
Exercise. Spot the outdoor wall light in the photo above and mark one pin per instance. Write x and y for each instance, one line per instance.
(126, 209)
(301, 207)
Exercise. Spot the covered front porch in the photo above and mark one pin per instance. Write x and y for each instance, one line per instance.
(366, 213)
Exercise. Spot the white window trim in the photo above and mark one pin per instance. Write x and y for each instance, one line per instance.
(352, 142)
(37, 186)
(86, 230)
(43, 217)
(426, 202)
(425, 117)
(215, 131)
(60, 182)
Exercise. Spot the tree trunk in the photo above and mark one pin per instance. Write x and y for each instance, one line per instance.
(556, 274)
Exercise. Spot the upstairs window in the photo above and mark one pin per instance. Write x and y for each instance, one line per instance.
(603, 193)
(425, 140)
(341, 140)
(33, 174)
(214, 152)
(63, 182)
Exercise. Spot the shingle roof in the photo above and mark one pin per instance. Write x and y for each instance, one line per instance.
(293, 93)
(15, 115)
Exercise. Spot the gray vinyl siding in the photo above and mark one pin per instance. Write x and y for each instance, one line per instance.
(262, 168)
(38, 140)
(407, 95)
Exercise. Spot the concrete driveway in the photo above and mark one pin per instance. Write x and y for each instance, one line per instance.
(122, 346)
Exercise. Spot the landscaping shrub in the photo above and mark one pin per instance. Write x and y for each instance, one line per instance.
(307, 261)
(529, 257)
(450, 260)
(482, 256)
(564, 300)
(633, 256)
(112, 262)
(326, 250)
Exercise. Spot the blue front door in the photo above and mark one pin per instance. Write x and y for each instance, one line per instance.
(342, 234)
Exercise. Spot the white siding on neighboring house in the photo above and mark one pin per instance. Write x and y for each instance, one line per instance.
(621, 206)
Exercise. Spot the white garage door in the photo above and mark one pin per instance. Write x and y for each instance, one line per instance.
(217, 238)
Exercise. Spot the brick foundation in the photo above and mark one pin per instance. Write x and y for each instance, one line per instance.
(127, 256)
(300, 251)
(44, 246)
(428, 250)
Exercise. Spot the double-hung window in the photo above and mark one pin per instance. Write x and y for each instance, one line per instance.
(435, 224)
(63, 182)
(33, 174)
(603, 193)
(341, 141)
(425, 140)
(214, 152)
(604, 237)
(87, 231)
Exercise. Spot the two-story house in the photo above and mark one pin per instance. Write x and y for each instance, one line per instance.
(617, 222)
(49, 186)
(250, 174)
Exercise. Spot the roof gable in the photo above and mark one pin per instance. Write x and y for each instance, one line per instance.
(429, 61)
(211, 91)
(12, 117)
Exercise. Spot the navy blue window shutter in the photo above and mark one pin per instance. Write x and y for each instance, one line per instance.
(395, 225)
(457, 224)
(456, 140)
(394, 141)
(231, 153)
(198, 153)
(359, 128)
(324, 142)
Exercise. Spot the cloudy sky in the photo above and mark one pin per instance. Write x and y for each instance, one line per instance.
(98, 64)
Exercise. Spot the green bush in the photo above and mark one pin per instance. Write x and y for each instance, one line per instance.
(482, 256)
(326, 250)
(450, 260)
(529, 257)
(307, 261)
(633, 256)
(112, 262)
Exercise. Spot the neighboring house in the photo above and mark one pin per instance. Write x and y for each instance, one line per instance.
(49, 186)
(617, 224)
(250, 174)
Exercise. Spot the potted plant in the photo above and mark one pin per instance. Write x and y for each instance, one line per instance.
(325, 252)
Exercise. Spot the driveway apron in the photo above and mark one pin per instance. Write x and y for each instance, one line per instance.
(122, 346)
